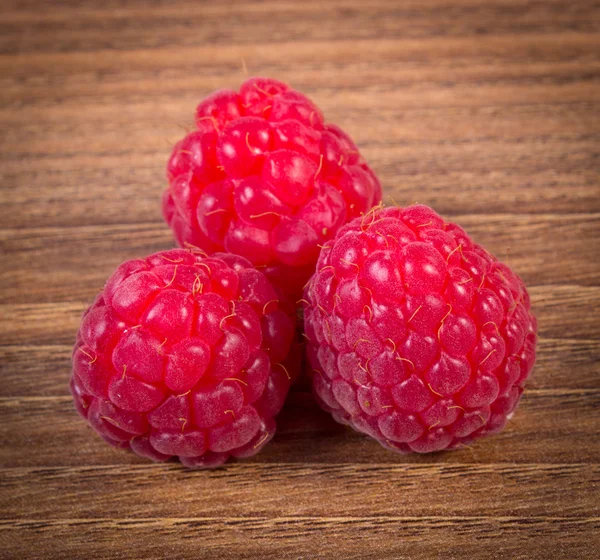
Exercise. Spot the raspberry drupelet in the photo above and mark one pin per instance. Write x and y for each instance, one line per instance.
(263, 176)
(418, 336)
(185, 356)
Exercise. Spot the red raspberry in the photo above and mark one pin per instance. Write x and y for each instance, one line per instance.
(184, 356)
(264, 177)
(418, 336)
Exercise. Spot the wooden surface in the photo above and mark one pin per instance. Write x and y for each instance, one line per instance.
(488, 110)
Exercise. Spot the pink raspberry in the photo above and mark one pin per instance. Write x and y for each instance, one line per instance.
(418, 336)
(184, 356)
(264, 177)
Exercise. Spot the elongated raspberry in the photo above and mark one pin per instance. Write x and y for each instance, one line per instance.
(265, 177)
(418, 336)
(185, 356)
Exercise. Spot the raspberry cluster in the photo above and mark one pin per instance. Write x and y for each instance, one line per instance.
(418, 336)
(185, 355)
(263, 176)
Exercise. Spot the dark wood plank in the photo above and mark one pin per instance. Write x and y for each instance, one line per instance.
(38, 269)
(568, 312)
(167, 26)
(31, 370)
(485, 538)
(550, 427)
(417, 95)
(439, 120)
(563, 362)
(50, 196)
(52, 192)
(368, 490)
(34, 370)
(499, 49)
(50, 323)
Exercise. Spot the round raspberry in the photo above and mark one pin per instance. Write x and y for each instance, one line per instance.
(264, 177)
(184, 356)
(418, 336)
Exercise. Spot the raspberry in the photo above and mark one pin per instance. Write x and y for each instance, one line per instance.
(264, 177)
(418, 336)
(184, 356)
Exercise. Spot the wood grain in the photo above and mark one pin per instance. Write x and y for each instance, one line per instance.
(50, 366)
(317, 490)
(551, 426)
(486, 110)
(305, 537)
(29, 252)
(563, 311)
